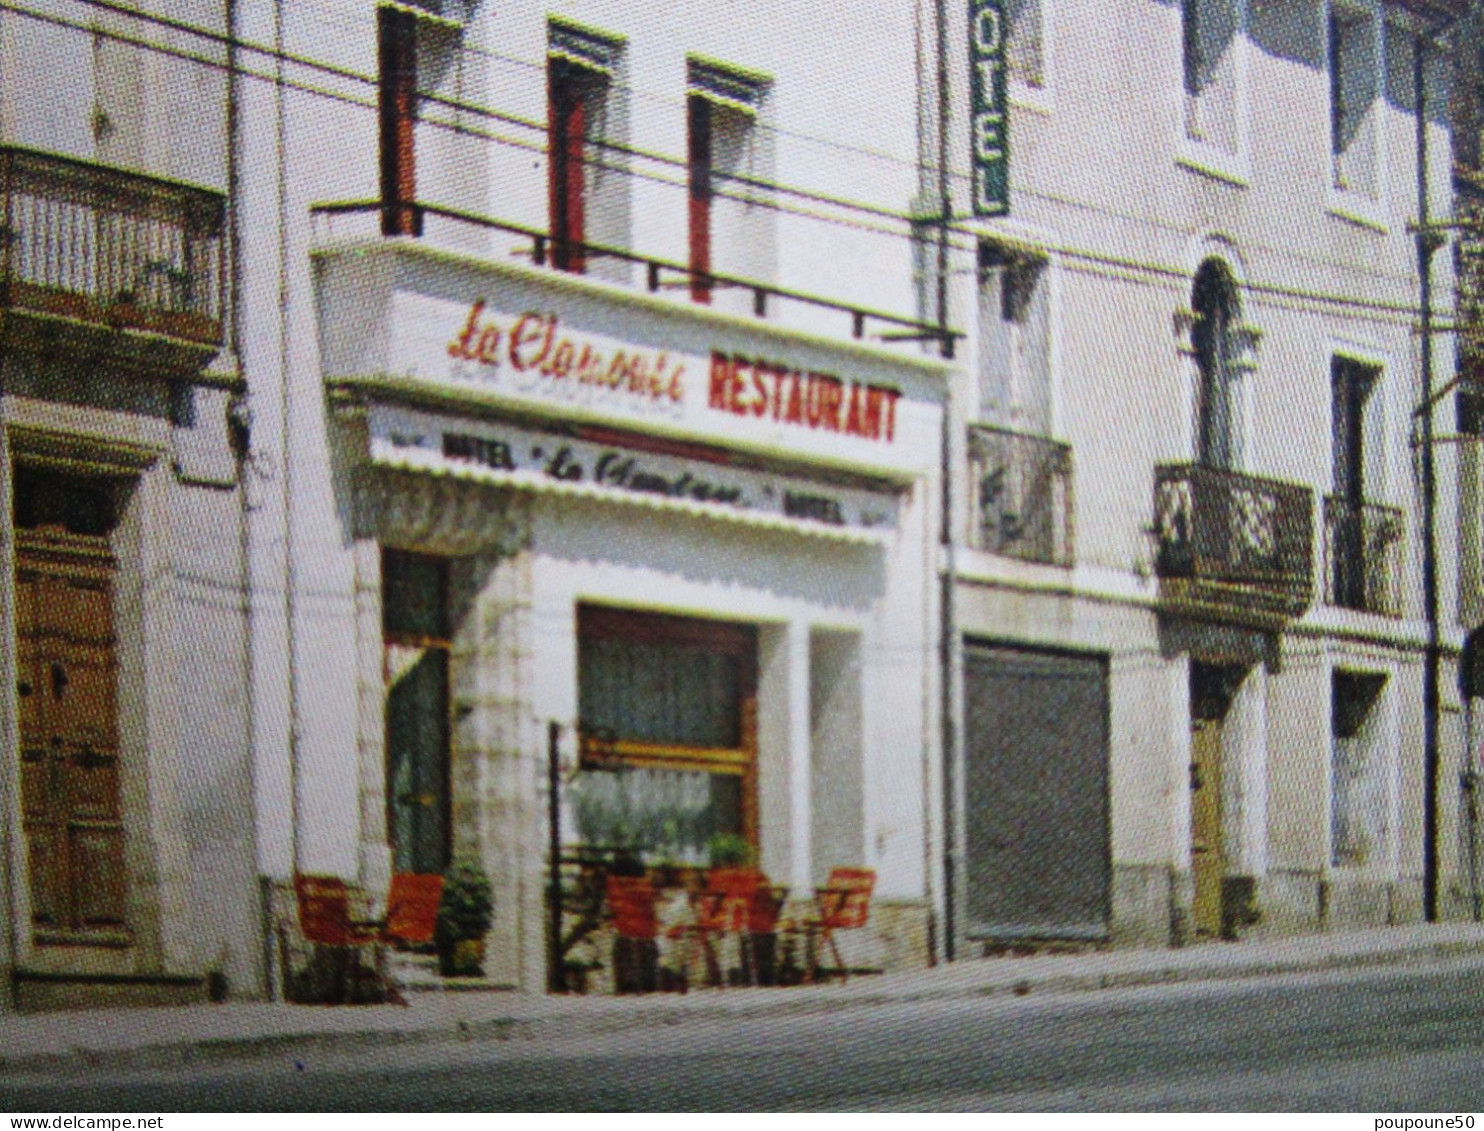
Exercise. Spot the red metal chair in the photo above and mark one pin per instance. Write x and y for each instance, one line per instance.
(324, 910)
(843, 904)
(325, 921)
(725, 906)
(411, 918)
(631, 907)
(412, 908)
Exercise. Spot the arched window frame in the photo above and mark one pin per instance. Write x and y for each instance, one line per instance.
(1242, 343)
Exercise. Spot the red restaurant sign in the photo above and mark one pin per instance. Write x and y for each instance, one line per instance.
(535, 343)
(749, 386)
(536, 350)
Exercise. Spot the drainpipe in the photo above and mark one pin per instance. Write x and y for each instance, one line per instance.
(239, 435)
(1428, 242)
(286, 472)
(949, 660)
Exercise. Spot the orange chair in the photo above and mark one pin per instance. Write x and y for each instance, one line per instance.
(411, 918)
(843, 904)
(412, 908)
(725, 906)
(324, 920)
(635, 951)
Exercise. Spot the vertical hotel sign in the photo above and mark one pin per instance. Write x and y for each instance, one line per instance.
(991, 164)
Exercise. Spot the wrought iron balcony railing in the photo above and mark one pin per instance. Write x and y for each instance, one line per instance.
(659, 274)
(1468, 250)
(1232, 540)
(1362, 556)
(1020, 494)
(102, 246)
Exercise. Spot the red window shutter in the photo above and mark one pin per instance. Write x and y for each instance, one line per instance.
(567, 121)
(397, 104)
(699, 110)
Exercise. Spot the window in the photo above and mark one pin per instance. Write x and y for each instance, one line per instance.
(1360, 795)
(580, 71)
(668, 732)
(1470, 407)
(397, 106)
(1021, 484)
(1362, 537)
(1025, 43)
(722, 109)
(1015, 327)
(1217, 339)
(1212, 31)
(1354, 85)
(1356, 428)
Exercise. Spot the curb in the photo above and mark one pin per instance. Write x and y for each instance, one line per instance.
(573, 1017)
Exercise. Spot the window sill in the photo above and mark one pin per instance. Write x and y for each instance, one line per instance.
(1231, 168)
(1345, 874)
(1363, 211)
(1036, 99)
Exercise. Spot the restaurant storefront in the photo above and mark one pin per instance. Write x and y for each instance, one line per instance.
(695, 551)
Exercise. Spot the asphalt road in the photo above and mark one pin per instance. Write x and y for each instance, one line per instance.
(1373, 1041)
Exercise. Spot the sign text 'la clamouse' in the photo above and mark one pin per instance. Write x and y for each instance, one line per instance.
(545, 356)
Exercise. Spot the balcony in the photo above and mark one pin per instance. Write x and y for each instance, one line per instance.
(110, 261)
(660, 276)
(1020, 495)
(1362, 556)
(1232, 546)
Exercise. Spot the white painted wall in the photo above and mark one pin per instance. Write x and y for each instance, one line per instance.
(838, 125)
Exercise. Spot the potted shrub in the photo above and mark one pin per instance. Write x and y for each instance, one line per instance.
(729, 850)
(464, 915)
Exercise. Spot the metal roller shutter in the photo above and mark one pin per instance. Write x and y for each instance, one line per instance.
(1036, 781)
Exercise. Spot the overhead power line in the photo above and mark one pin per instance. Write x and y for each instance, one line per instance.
(363, 79)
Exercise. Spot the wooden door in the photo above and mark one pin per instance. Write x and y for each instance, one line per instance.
(1206, 860)
(67, 687)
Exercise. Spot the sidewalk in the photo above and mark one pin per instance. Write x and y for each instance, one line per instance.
(169, 1037)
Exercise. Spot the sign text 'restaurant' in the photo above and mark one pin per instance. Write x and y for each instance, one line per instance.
(749, 386)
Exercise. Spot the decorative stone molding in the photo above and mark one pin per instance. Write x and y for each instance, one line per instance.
(1245, 337)
(1184, 320)
(439, 514)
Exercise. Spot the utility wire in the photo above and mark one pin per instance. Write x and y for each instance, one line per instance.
(463, 129)
(962, 239)
(426, 98)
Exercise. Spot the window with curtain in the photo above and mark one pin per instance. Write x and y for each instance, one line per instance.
(668, 749)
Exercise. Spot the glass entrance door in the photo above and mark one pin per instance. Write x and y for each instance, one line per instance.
(415, 631)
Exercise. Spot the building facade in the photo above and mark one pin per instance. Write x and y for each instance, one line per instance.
(126, 785)
(978, 444)
(608, 513)
(1189, 584)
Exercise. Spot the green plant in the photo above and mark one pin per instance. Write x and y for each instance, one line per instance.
(467, 907)
(729, 850)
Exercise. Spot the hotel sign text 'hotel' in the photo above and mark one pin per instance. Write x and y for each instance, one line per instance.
(988, 121)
